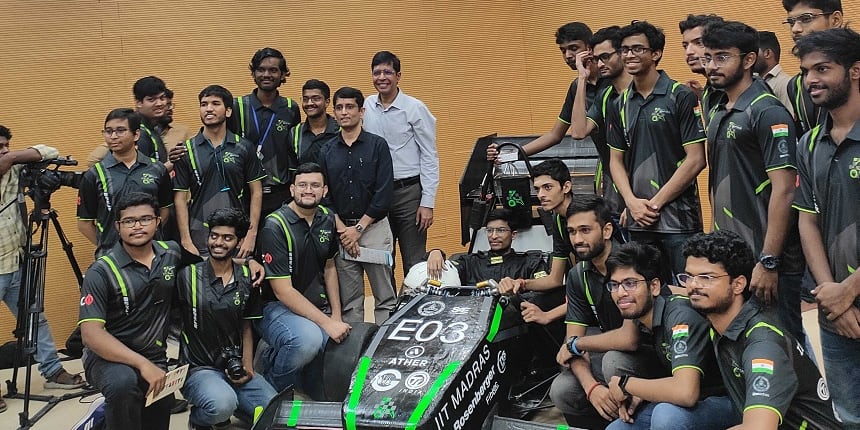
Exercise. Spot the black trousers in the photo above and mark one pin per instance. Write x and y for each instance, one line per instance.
(124, 392)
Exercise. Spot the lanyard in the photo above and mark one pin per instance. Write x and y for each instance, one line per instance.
(268, 129)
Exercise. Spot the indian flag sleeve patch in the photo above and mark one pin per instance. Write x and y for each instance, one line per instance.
(680, 330)
(779, 130)
(762, 365)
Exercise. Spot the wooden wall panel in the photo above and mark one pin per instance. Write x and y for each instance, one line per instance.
(481, 67)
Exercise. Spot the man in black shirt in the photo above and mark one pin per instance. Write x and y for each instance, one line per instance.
(571, 38)
(302, 309)
(124, 308)
(751, 148)
(829, 203)
(265, 118)
(605, 51)
(657, 145)
(687, 393)
(358, 166)
(150, 99)
(124, 169)
(213, 174)
(579, 391)
(767, 373)
(217, 303)
(805, 17)
(309, 137)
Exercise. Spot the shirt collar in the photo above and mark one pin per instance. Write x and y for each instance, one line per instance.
(110, 161)
(736, 328)
(756, 89)
(397, 103)
(257, 104)
(230, 137)
(827, 124)
(122, 259)
(331, 126)
(661, 87)
(773, 72)
(293, 218)
(657, 315)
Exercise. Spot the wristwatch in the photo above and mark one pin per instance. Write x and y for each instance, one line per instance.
(359, 228)
(571, 346)
(769, 262)
(622, 384)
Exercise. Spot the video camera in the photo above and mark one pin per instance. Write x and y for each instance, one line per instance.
(38, 181)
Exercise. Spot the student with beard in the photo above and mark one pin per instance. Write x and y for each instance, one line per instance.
(767, 373)
(580, 390)
(829, 201)
(691, 39)
(686, 392)
(751, 150)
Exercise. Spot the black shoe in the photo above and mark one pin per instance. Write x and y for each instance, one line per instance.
(179, 406)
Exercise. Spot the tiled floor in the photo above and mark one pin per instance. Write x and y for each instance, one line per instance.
(68, 412)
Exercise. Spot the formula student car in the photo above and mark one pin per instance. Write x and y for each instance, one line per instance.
(445, 360)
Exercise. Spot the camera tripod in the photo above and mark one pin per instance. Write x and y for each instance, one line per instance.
(31, 305)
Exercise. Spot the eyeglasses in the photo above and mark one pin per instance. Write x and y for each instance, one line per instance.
(628, 284)
(607, 55)
(381, 72)
(719, 60)
(804, 18)
(497, 230)
(144, 221)
(704, 280)
(120, 132)
(636, 49)
(315, 99)
(312, 185)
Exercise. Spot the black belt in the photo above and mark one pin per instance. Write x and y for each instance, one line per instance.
(406, 182)
(349, 222)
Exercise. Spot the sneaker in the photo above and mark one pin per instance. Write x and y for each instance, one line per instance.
(179, 406)
(64, 380)
(95, 416)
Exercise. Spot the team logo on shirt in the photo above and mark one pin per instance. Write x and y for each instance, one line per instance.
(167, 272)
(147, 178)
(87, 300)
(760, 385)
(229, 158)
(237, 299)
(281, 125)
(731, 131)
(854, 169)
(659, 114)
(325, 235)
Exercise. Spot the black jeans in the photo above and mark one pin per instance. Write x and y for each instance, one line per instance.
(124, 392)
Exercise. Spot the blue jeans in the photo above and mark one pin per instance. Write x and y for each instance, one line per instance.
(293, 340)
(710, 413)
(841, 358)
(46, 352)
(215, 399)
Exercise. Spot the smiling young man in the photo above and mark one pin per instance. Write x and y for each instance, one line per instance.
(579, 390)
(265, 118)
(805, 17)
(302, 301)
(309, 137)
(124, 309)
(217, 303)
(605, 52)
(214, 172)
(657, 148)
(751, 150)
(687, 392)
(358, 165)
(829, 204)
(768, 375)
(123, 170)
